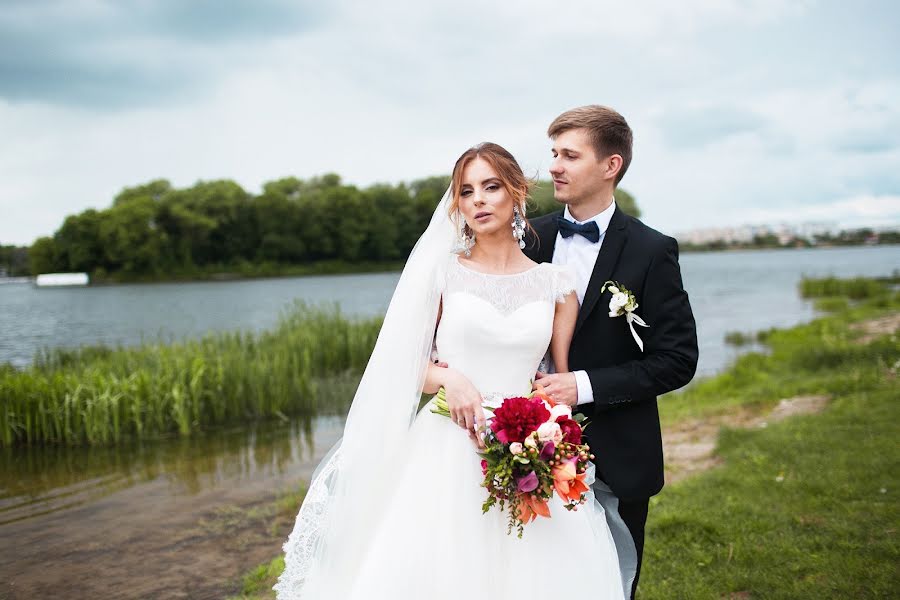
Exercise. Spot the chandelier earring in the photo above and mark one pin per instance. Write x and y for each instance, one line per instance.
(466, 236)
(518, 226)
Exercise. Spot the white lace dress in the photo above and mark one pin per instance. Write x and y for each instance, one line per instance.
(434, 542)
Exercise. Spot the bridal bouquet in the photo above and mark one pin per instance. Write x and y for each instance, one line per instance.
(533, 448)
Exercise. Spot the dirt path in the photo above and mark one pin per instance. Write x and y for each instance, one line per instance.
(689, 446)
(877, 327)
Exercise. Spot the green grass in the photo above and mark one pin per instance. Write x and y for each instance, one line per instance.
(831, 304)
(257, 584)
(308, 364)
(803, 509)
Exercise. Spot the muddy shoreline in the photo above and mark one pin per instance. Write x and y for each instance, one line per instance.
(165, 536)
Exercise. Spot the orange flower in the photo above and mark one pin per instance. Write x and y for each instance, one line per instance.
(564, 471)
(568, 482)
(577, 488)
(531, 507)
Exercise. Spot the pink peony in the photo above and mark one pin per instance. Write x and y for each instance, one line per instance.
(518, 417)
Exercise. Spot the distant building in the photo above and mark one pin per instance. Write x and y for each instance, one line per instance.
(745, 234)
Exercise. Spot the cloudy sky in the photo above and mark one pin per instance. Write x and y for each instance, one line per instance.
(755, 111)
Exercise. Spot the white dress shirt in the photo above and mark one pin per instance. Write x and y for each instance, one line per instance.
(581, 253)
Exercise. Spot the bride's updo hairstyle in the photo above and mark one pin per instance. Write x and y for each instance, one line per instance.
(508, 170)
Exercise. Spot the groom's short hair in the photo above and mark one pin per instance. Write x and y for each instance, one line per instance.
(608, 131)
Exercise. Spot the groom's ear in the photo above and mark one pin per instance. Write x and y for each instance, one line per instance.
(611, 165)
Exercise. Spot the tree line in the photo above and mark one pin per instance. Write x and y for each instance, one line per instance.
(156, 231)
(14, 261)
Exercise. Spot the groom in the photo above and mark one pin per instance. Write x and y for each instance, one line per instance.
(613, 381)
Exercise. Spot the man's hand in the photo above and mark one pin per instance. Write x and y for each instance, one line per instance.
(560, 387)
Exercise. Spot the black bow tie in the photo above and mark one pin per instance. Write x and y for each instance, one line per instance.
(589, 230)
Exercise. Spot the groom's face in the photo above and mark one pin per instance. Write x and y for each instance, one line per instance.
(577, 174)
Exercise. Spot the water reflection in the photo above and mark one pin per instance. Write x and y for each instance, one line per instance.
(39, 480)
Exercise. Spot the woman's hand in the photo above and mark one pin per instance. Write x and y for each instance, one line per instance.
(464, 402)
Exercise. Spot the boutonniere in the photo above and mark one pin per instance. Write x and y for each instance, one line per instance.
(623, 303)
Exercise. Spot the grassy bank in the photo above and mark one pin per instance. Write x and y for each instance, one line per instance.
(97, 395)
(805, 508)
(801, 509)
(820, 357)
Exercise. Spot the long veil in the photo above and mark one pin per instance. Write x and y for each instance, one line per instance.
(324, 549)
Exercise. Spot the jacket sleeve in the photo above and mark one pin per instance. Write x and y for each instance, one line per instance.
(670, 354)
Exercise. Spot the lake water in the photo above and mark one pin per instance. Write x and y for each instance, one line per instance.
(730, 291)
(183, 518)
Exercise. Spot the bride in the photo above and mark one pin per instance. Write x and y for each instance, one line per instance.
(394, 510)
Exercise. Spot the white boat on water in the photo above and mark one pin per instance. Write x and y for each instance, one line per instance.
(60, 279)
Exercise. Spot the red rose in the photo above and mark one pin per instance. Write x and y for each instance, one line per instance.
(517, 418)
(571, 430)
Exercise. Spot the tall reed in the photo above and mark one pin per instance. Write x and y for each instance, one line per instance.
(856, 288)
(307, 364)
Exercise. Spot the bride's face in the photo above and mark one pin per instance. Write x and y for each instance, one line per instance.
(483, 200)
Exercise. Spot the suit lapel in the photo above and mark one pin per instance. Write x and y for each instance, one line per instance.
(613, 242)
(547, 239)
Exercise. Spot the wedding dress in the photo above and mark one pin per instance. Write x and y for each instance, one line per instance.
(431, 539)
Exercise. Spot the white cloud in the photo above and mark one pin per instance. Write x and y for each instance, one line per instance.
(732, 109)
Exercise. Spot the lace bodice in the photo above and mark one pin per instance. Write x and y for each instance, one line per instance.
(496, 328)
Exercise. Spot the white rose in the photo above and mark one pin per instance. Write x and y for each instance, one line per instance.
(560, 410)
(531, 442)
(516, 448)
(618, 300)
(550, 432)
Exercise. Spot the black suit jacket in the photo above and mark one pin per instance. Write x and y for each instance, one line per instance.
(624, 432)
